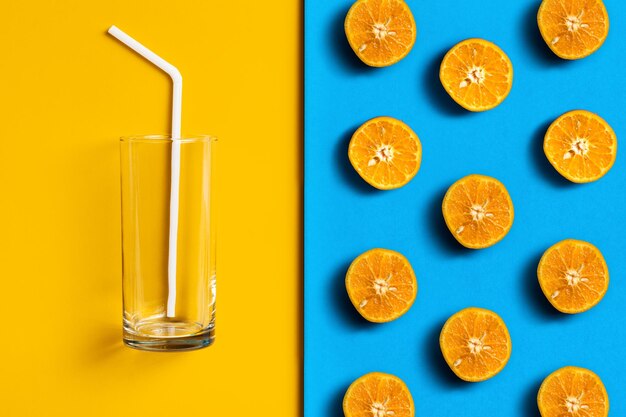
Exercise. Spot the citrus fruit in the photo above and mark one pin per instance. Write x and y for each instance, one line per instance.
(381, 284)
(475, 344)
(478, 211)
(581, 146)
(573, 276)
(477, 74)
(378, 395)
(573, 29)
(385, 152)
(381, 32)
(572, 391)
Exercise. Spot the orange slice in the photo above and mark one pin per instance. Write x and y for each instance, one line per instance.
(378, 395)
(477, 74)
(381, 32)
(572, 391)
(573, 276)
(381, 284)
(385, 152)
(475, 343)
(573, 29)
(581, 146)
(478, 211)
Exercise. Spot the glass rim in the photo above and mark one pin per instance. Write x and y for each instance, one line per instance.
(161, 138)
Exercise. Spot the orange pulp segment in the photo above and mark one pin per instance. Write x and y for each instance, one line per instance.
(385, 152)
(381, 285)
(573, 276)
(573, 391)
(475, 344)
(573, 29)
(581, 146)
(381, 32)
(478, 211)
(378, 394)
(477, 74)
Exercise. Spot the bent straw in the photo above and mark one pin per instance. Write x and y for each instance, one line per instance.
(177, 101)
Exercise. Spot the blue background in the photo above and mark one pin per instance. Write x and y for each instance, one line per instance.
(344, 216)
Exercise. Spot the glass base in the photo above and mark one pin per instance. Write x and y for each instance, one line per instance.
(168, 336)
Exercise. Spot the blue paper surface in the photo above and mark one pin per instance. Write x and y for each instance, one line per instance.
(345, 217)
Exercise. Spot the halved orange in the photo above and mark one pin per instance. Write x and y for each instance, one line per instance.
(385, 152)
(378, 395)
(581, 146)
(478, 211)
(573, 391)
(477, 74)
(381, 285)
(381, 32)
(475, 344)
(573, 29)
(573, 276)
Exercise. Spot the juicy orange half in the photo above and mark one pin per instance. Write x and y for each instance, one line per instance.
(477, 74)
(385, 152)
(381, 285)
(478, 211)
(581, 146)
(381, 32)
(378, 394)
(573, 276)
(475, 344)
(573, 391)
(573, 29)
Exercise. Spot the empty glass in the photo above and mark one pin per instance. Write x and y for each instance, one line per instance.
(168, 310)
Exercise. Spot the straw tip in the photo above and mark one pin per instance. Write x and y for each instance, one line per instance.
(113, 29)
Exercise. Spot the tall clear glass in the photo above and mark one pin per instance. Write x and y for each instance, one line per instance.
(168, 311)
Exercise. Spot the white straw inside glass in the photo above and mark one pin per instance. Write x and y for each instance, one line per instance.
(177, 102)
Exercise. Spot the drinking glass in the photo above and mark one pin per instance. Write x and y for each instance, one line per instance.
(168, 296)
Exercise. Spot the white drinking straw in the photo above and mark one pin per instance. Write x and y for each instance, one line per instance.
(177, 102)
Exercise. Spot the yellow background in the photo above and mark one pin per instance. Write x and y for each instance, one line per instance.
(68, 92)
